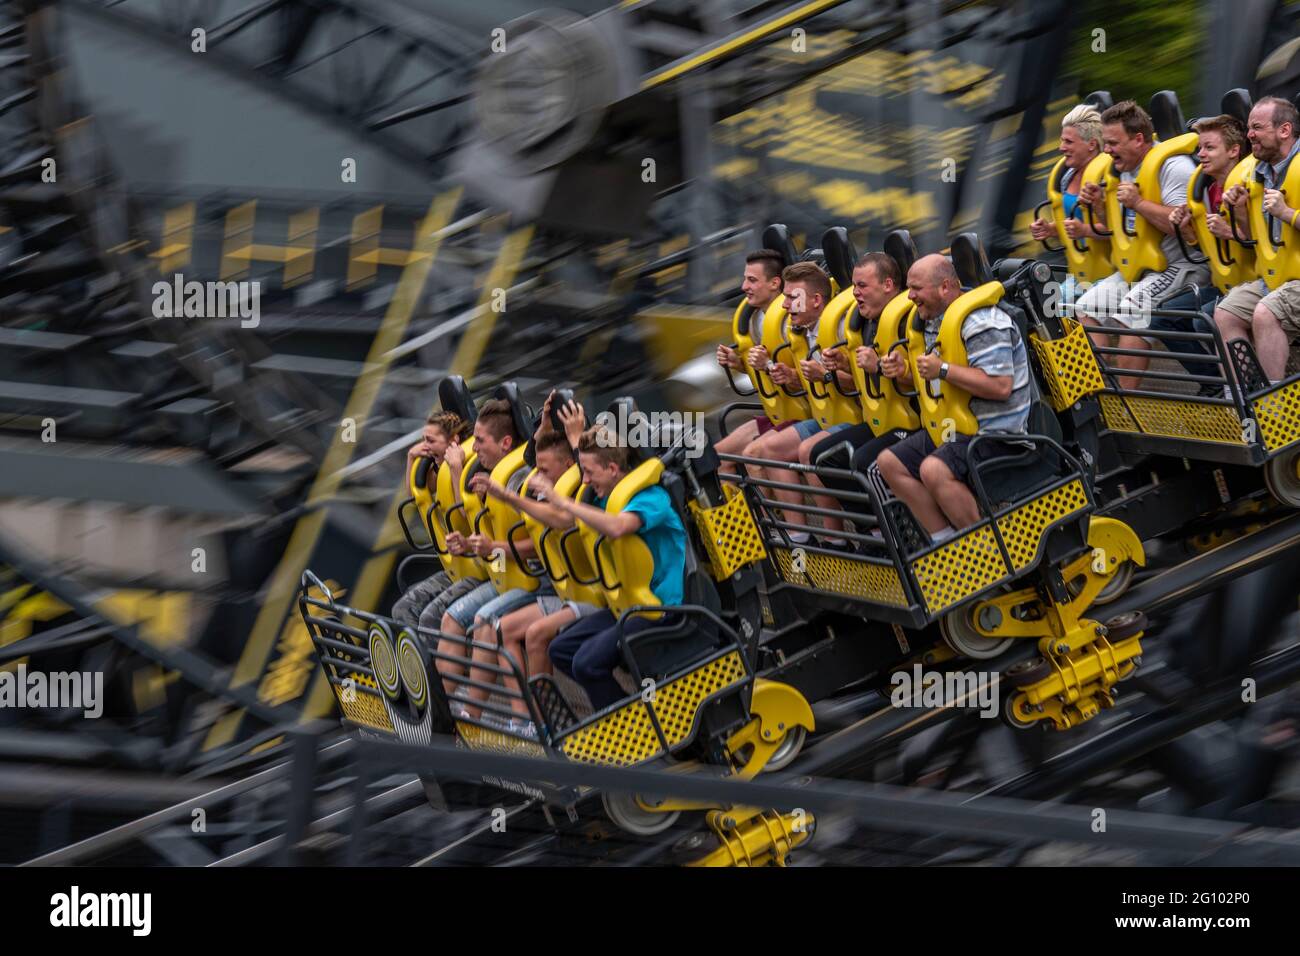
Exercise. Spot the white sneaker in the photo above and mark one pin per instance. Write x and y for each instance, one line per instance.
(524, 728)
(459, 710)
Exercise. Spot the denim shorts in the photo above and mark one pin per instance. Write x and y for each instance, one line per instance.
(807, 428)
(484, 602)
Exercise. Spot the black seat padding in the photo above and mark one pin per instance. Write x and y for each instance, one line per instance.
(902, 249)
(454, 396)
(1100, 99)
(1023, 470)
(969, 260)
(777, 238)
(1167, 115)
(840, 255)
(678, 639)
(1237, 102)
(423, 472)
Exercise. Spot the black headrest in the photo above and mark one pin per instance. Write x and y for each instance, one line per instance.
(840, 255)
(900, 247)
(969, 260)
(777, 238)
(422, 472)
(1167, 115)
(1237, 102)
(1100, 99)
(518, 411)
(454, 396)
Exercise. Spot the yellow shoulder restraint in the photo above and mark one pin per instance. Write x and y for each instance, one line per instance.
(1277, 245)
(495, 518)
(444, 502)
(827, 404)
(1136, 252)
(1088, 259)
(945, 409)
(883, 408)
(1230, 262)
(626, 562)
(548, 542)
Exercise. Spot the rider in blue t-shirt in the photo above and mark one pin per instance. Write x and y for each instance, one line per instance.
(589, 650)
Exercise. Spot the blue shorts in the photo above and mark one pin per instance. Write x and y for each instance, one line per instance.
(807, 428)
(484, 602)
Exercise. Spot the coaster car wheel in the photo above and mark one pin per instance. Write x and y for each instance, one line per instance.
(630, 817)
(959, 633)
(1282, 476)
(1118, 584)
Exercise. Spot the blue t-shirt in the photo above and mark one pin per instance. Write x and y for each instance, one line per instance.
(663, 534)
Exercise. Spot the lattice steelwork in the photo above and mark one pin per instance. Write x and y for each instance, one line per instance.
(676, 703)
(493, 741)
(878, 583)
(1069, 366)
(1173, 418)
(1022, 530)
(1278, 416)
(963, 566)
(361, 707)
(729, 533)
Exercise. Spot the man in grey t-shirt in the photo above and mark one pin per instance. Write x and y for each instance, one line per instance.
(1127, 136)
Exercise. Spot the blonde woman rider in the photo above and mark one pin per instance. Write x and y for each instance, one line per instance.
(1080, 145)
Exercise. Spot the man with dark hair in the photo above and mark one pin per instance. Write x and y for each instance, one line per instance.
(807, 293)
(589, 651)
(761, 286)
(1269, 320)
(1127, 137)
(494, 438)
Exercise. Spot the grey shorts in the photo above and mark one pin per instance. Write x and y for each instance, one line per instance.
(431, 616)
(1283, 302)
(410, 605)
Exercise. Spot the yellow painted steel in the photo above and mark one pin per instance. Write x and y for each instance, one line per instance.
(778, 711)
(1069, 365)
(1174, 418)
(945, 408)
(1277, 413)
(877, 583)
(1230, 263)
(752, 837)
(626, 736)
(882, 407)
(827, 404)
(737, 43)
(566, 585)
(778, 405)
(1088, 259)
(729, 533)
(1277, 244)
(1133, 254)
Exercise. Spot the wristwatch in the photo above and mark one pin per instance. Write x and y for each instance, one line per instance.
(828, 377)
(943, 369)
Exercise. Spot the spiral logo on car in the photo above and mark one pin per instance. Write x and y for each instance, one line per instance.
(410, 663)
(383, 662)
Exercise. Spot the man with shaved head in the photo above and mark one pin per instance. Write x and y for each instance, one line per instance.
(934, 482)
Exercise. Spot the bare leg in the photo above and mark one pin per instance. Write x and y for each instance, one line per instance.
(1137, 363)
(735, 444)
(452, 648)
(953, 497)
(484, 633)
(513, 627)
(832, 525)
(1270, 343)
(784, 446)
(539, 635)
(911, 492)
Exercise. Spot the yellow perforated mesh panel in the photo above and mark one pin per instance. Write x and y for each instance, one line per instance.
(623, 738)
(480, 738)
(1022, 529)
(966, 564)
(1116, 415)
(1069, 366)
(365, 709)
(676, 702)
(1173, 418)
(877, 583)
(730, 535)
(1278, 416)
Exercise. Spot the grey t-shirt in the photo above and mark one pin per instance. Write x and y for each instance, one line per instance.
(1174, 177)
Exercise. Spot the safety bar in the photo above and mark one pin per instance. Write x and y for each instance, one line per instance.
(519, 560)
(629, 641)
(1043, 242)
(779, 349)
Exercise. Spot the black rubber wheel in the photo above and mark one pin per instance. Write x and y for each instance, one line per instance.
(1124, 626)
(1027, 672)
